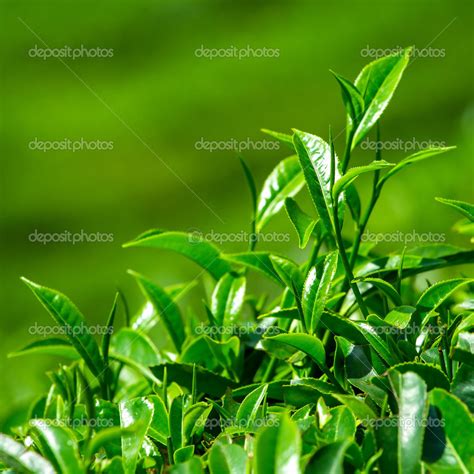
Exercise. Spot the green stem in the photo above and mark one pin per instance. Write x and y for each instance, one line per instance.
(346, 263)
(347, 152)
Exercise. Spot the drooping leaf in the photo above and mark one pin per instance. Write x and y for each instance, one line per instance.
(353, 173)
(283, 137)
(415, 157)
(465, 208)
(259, 261)
(191, 246)
(51, 346)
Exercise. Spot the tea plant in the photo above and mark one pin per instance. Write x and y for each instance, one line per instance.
(348, 369)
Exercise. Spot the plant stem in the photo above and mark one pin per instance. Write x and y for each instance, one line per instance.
(346, 263)
(347, 151)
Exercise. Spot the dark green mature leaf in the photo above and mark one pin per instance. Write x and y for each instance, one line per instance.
(315, 160)
(418, 156)
(68, 316)
(207, 382)
(458, 426)
(377, 83)
(227, 459)
(353, 173)
(328, 459)
(228, 299)
(303, 224)
(284, 181)
(386, 287)
(410, 392)
(135, 417)
(259, 261)
(465, 208)
(431, 375)
(463, 385)
(436, 294)
(310, 345)
(340, 426)
(343, 327)
(380, 346)
(277, 448)
(58, 444)
(15, 455)
(192, 246)
(464, 348)
(165, 306)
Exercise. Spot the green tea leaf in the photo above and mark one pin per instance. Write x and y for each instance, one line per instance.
(328, 459)
(377, 82)
(136, 346)
(303, 224)
(159, 427)
(353, 100)
(58, 444)
(418, 156)
(465, 208)
(192, 246)
(284, 181)
(135, 418)
(228, 299)
(51, 346)
(315, 160)
(227, 459)
(277, 448)
(259, 261)
(15, 455)
(248, 408)
(66, 314)
(165, 306)
(353, 173)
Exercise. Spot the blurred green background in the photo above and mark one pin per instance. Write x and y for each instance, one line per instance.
(155, 99)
